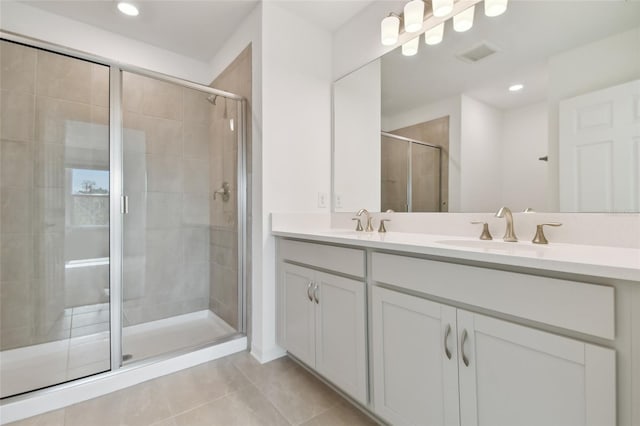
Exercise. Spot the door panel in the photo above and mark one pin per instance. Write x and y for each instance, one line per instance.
(415, 382)
(511, 366)
(299, 320)
(340, 333)
(599, 160)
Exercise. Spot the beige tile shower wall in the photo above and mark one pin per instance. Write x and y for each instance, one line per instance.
(41, 93)
(236, 78)
(167, 180)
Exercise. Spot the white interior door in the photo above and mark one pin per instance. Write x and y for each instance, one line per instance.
(512, 375)
(600, 150)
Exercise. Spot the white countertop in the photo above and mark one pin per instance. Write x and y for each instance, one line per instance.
(597, 261)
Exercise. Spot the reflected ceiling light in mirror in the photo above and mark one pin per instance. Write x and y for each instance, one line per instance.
(127, 8)
(463, 21)
(442, 7)
(413, 16)
(434, 35)
(410, 48)
(516, 87)
(495, 7)
(389, 29)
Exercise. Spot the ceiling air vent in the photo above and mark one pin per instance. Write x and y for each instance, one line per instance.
(477, 53)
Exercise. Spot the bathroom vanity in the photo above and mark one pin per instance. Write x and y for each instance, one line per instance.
(422, 329)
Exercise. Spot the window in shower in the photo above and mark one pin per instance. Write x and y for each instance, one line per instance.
(180, 265)
(89, 197)
(54, 272)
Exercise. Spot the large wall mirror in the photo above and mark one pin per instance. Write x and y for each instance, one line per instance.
(441, 131)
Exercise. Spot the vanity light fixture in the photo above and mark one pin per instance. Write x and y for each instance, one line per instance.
(127, 8)
(463, 21)
(413, 16)
(414, 21)
(441, 8)
(495, 7)
(434, 35)
(389, 29)
(516, 87)
(410, 48)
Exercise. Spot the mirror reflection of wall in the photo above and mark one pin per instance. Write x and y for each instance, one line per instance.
(497, 137)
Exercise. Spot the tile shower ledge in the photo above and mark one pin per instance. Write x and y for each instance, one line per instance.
(596, 261)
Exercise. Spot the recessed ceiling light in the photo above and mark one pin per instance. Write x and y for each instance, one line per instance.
(128, 8)
(516, 87)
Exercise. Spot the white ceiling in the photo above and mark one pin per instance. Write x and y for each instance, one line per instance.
(526, 35)
(328, 14)
(197, 29)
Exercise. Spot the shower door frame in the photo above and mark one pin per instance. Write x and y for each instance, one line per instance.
(410, 167)
(118, 207)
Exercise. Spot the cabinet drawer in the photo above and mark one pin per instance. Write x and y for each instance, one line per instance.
(585, 308)
(344, 260)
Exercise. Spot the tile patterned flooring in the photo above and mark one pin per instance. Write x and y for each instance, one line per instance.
(235, 390)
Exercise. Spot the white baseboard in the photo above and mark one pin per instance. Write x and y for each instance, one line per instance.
(263, 356)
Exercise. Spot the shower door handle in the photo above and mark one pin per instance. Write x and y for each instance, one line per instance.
(124, 204)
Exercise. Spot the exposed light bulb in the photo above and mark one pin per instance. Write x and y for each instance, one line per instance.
(516, 87)
(442, 7)
(410, 48)
(495, 7)
(127, 8)
(389, 29)
(434, 35)
(413, 16)
(463, 21)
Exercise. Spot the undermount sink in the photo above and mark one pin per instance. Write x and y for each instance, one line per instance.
(491, 245)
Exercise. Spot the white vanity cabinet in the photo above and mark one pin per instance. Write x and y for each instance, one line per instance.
(415, 369)
(434, 364)
(323, 315)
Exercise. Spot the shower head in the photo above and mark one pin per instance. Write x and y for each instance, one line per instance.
(212, 98)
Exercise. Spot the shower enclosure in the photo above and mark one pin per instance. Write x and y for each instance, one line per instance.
(122, 216)
(411, 174)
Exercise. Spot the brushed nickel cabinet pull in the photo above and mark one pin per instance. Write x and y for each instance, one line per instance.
(447, 331)
(315, 294)
(309, 291)
(463, 339)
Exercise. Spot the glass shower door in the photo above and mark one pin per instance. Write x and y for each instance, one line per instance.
(54, 219)
(180, 239)
(394, 174)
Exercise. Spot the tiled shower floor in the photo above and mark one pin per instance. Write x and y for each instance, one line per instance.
(41, 365)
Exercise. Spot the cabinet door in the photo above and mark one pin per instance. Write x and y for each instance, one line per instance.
(414, 360)
(340, 333)
(299, 318)
(513, 375)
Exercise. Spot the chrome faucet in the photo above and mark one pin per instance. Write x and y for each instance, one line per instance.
(509, 233)
(369, 227)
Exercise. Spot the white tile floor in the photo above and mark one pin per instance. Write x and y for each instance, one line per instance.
(37, 366)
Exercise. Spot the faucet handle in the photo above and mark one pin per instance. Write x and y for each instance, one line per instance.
(486, 235)
(382, 228)
(358, 225)
(540, 238)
